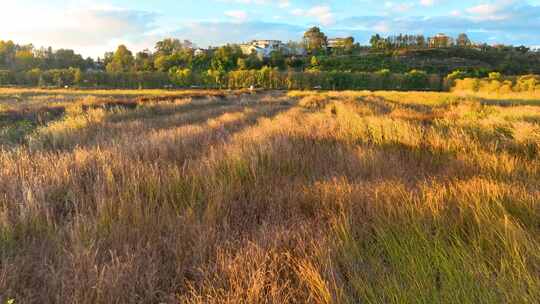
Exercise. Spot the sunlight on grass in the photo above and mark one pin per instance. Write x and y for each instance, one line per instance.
(298, 197)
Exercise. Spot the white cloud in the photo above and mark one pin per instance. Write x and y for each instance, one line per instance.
(237, 15)
(382, 27)
(498, 10)
(91, 31)
(279, 3)
(218, 33)
(284, 3)
(399, 7)
(322, 13)
(427, 2)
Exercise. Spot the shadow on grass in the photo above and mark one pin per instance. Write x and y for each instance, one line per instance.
(509, 102)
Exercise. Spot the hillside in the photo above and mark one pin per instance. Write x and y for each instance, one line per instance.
(440, 61)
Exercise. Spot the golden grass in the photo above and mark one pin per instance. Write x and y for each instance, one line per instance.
(114, 92)
(305, 197)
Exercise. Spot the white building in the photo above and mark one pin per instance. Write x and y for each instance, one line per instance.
(199, 52)
(336, 42)
(264, 48)
(440, 41)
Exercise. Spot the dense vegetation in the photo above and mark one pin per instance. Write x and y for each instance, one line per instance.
(346, 66)
(231, 197)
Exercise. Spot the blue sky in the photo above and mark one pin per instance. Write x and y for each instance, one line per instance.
(93, 27)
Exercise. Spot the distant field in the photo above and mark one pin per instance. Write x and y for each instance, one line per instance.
(203, 196)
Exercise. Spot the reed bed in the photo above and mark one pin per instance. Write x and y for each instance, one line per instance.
(299, 197)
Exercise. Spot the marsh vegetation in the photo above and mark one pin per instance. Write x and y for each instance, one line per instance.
(269, 197)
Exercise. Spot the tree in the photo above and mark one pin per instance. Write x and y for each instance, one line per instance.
(277, 60)
(242, 65)
(374, 41)
(315, 63)
(63, 59)
(420, 41)
(168, 46)
(495, 76)
(253, 61)
(24, 59)
(348, 44)
(463, 40)
(121, 61)
(7, 54)
(144, 61)
(225, 58)
(181, 58)
(201, 63)
(315, 40)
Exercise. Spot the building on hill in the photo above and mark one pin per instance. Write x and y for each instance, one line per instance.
(199, 52)
(276, 44)
(334, 43)
(264, 48)
(440, 41)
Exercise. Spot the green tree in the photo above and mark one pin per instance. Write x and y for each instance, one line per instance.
(121, 61)
(182, 58)
(8, 49)
(374, 41)
(168, 46)
(463, 40)
(315, 40)
(144, 61)
(225, 58)
(63, 59)
(277, 60)
(348, 44)
(495, 76)
(25, 60)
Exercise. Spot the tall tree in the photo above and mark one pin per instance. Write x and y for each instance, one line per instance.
(169, 46)
(144, 61)
(122, 60)
(25, 59)
(463, 40)
(374, 41)
(225, 58)
(8, 49)
(315, 40)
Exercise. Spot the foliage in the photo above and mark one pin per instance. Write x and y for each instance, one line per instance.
(26, 65)
(497, 83)
(315, 40)
(121, 61)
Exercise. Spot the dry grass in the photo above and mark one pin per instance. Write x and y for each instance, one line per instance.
(310, 197)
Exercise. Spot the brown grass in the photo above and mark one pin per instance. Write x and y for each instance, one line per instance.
(310, 197)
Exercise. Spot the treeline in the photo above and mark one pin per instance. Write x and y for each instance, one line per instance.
(406, 41)
(16, 57)
(328, 63)
(268, 78)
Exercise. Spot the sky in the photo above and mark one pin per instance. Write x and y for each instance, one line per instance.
(92, 27)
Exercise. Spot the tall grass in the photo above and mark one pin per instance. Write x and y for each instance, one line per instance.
(310, 197)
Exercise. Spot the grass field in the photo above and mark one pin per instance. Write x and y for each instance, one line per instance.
(270, 197)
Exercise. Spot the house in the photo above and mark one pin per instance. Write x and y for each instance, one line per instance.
(264, 48)
(337, 42)
(199, 52)
(440, 41)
